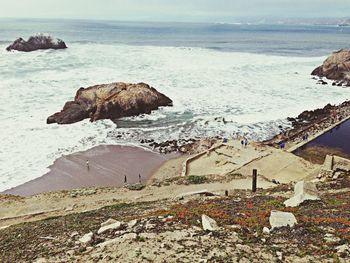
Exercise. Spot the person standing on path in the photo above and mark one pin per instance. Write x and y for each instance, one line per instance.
(139, 178)
(87, 165)
(125, 179)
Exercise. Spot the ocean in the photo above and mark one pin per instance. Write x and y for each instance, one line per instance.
(253, 76)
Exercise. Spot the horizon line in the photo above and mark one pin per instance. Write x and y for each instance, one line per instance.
(272, 20)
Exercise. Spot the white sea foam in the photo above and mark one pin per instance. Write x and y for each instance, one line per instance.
(254, 93)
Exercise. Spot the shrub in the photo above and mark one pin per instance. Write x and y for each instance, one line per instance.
(194, 179)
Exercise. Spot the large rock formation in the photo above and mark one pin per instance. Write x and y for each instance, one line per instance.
(110, 101)
(336, 67)
(36, 42)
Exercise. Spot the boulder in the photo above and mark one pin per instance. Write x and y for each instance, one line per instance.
(115, 226)
(4, 227)
(343, 249)
(330, 238)
(302, 191)
(135, 187)
(336, 67)
(109, 222)
(280, 219)
(36, 42)
(266, 231)
(200, 192)
(209, 223)
(132, 223)
(110, 101)
(118, 240)
(74, 234)
(87, 238)
(279, 255)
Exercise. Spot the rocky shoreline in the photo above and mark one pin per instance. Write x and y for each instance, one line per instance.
(310, 123)
(183, 146)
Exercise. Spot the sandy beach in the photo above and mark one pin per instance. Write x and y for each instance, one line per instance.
(108, 166)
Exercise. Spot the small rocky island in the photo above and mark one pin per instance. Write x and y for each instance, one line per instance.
(336, 67)
(110, 101)
(37, 42)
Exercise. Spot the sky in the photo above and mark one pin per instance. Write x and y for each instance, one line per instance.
(174, 10)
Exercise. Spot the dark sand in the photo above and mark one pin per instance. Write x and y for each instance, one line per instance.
(108, 165)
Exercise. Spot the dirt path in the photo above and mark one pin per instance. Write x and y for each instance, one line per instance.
(14, 210)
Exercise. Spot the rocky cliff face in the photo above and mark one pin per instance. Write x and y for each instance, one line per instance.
(110, 101)
(35, 43)
(336, 67)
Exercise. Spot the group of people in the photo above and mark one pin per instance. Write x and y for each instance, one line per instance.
(244, 142)
(125, 177)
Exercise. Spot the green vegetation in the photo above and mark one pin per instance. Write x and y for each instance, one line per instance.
(194, 179)
(140, 239)
(235, 175)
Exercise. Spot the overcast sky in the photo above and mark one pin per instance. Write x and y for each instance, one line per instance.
(174, 10)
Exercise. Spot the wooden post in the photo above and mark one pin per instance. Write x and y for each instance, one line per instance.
(226, 193)
(255, 176)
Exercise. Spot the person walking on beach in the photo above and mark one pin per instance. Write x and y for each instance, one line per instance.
(87, 165)
(246, 142)
(242, 143)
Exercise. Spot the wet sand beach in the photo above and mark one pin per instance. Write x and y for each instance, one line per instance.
(108, 166)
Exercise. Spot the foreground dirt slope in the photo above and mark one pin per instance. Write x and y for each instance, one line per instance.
(171, 231)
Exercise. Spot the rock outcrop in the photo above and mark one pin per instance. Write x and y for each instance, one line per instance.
(87, 238)
(107, 226)
(110, 101)
(281, 219)
(336, 67)
(302, 191)
(37, 42)
(209, 223)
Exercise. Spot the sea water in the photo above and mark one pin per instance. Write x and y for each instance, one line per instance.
(252, 76)
(337, 138)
